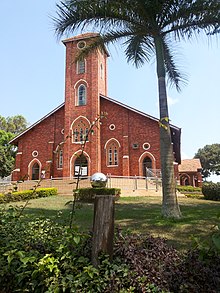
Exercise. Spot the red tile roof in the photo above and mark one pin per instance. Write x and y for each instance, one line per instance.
(190, 165)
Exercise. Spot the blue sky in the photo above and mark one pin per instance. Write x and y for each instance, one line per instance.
(32, 72)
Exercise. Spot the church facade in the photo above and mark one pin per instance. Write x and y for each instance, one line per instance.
(125, 143)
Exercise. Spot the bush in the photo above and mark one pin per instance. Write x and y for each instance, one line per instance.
(211, 191)
(194, 195)
(88, 194)
(152, 261)
(27, 194)
(188, 189)
(43, 256)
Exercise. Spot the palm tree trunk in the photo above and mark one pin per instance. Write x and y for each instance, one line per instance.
(170, 207)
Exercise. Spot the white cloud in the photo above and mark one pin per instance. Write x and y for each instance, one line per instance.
(172, 101)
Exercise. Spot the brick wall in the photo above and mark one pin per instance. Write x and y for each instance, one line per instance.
(130, 128)
(38, 145)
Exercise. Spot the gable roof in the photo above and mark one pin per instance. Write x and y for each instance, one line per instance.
(136, 111)
(14, 140)
(190, 165)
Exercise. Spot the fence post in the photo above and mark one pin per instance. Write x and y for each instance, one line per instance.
(103, 227)
(135, 182)
(157, 184)
(146, 183)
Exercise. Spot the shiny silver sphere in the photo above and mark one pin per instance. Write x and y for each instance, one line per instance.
(98, 180)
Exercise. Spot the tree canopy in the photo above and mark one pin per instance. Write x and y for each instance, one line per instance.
(7, 153)
(209, 156)
(9, 127)
(14, 124)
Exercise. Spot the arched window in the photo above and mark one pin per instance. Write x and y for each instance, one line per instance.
(35, 171)
(112, 152)
(60, 159)
(81, 95)
(101, 71)
(81, 66)
(80, 130)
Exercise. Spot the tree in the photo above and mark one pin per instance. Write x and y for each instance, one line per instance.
(7, 153)
(209, 156)
(14, 124)
(9, 127)
(147, 28)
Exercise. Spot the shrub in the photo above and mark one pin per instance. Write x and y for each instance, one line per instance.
(88, 194)
(27, 194)
(211, 191)
(43, 256)
(194, 195)
(152, 261)
(209, 245)
(188, 189)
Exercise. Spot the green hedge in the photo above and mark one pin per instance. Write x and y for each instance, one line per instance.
(188, 188)
(27, 194)
(88, 194)
(194, 195)
(211, 191)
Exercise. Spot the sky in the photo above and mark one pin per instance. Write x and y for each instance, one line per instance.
(32, 74)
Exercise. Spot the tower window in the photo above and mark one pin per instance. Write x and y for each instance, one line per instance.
(81, 95)
(81, 44)
(101, 71)
(81, 66)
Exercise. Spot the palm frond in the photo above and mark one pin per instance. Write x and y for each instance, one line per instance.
(175, 77)
(191, 18)
(139, 49)
(96, 14)
(138, 22)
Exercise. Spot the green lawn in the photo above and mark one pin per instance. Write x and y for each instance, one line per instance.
(138, 214)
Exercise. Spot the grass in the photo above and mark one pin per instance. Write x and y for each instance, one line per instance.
(139, 215)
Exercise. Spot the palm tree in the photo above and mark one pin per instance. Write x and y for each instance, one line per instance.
(147, 28)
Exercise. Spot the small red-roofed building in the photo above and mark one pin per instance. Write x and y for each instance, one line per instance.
(190, 172)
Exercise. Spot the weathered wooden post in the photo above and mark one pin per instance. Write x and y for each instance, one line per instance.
(103, 226)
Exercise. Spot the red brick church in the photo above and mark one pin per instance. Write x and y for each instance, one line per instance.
(125, 143)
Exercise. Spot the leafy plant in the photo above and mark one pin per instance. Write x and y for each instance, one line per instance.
(211, 191)
(188, 189)
(39, 255)
(209, 156)
(88, 194)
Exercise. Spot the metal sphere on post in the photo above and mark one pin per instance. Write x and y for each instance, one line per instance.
(103, 220)
(98, 180)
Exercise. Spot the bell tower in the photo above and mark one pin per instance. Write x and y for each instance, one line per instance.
(85, 80)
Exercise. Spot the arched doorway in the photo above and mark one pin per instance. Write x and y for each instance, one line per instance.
(35, 174)
(184, 180)
(147, 164)
(81, 165)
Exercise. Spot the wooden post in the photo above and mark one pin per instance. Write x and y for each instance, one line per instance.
(103, 227)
